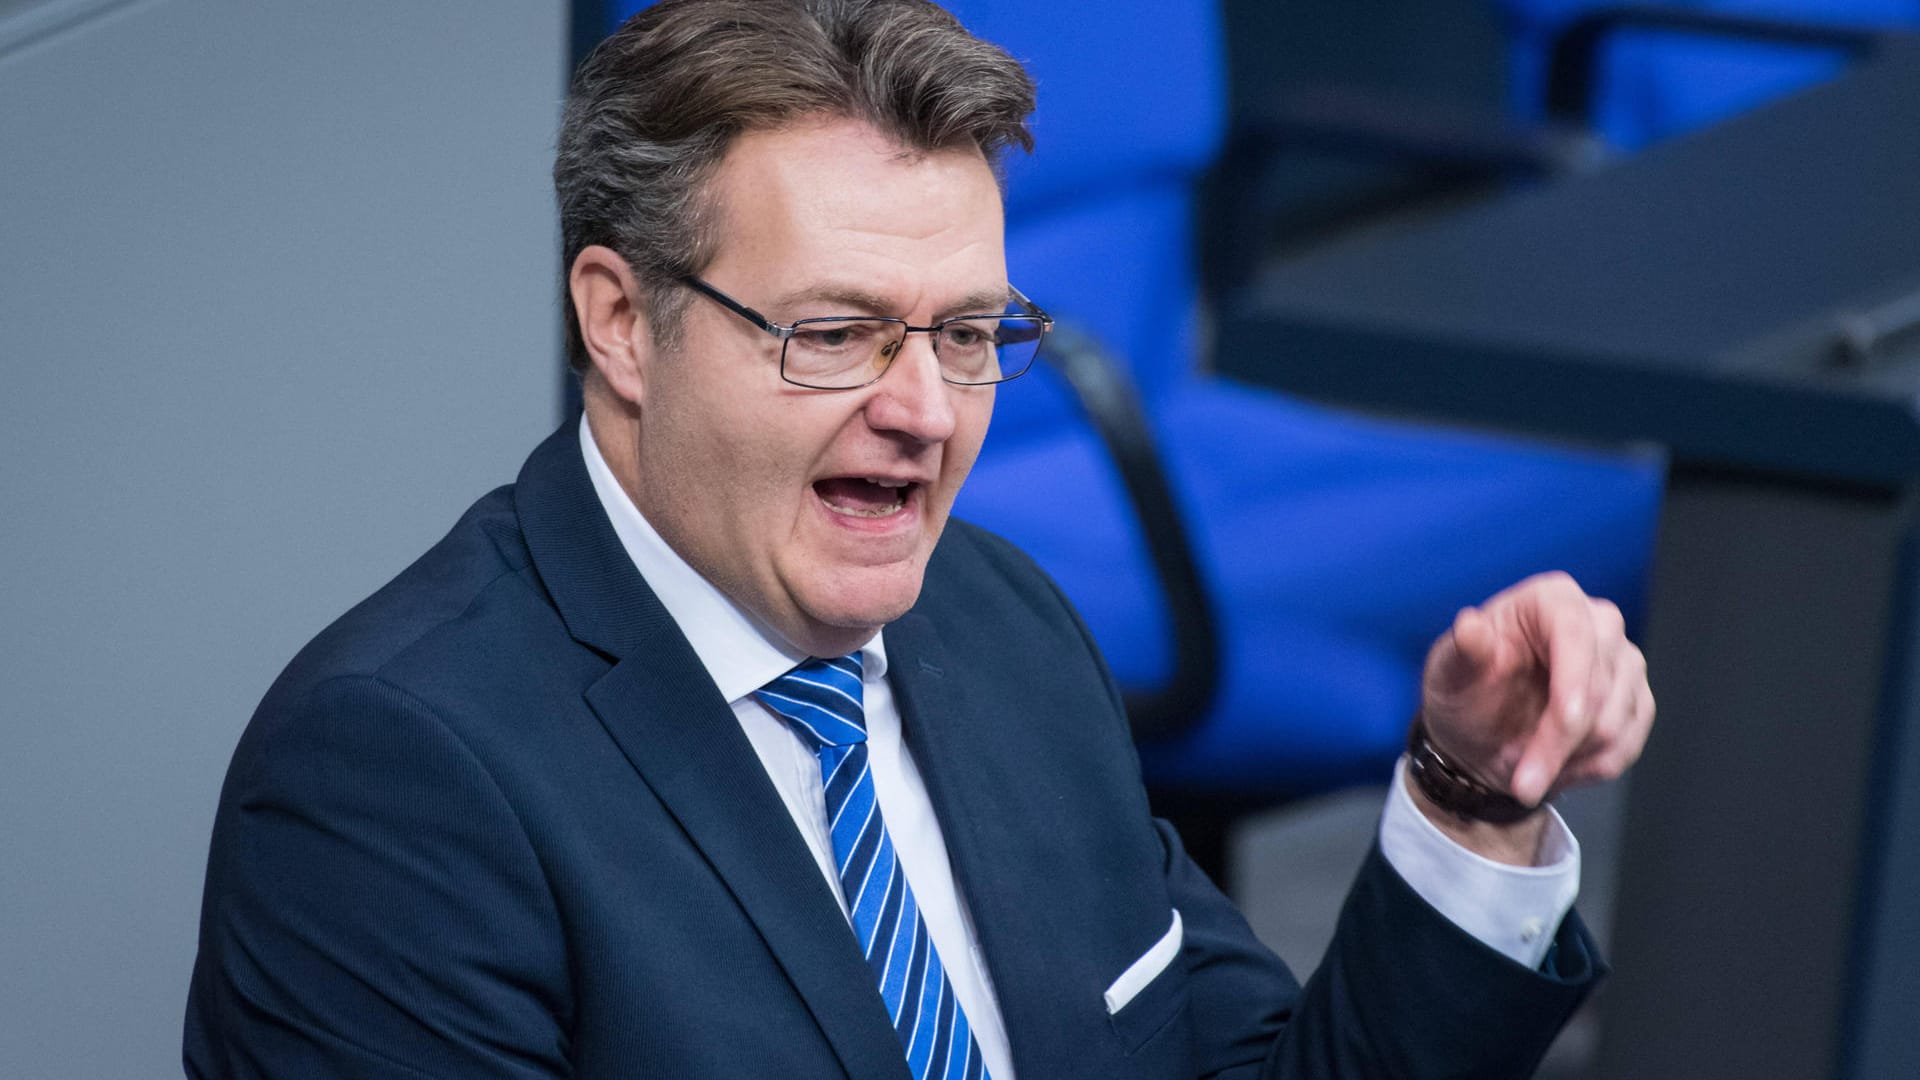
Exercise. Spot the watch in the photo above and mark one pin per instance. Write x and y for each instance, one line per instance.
(1450, 788)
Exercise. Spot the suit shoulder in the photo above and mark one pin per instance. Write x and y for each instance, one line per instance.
(480, 565)
(971, 555)
(978, 578)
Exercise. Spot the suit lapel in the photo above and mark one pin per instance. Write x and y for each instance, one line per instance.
(660, 707)
(952, 742)
(685, 741)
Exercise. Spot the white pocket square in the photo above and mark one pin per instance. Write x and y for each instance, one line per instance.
(1144, 970)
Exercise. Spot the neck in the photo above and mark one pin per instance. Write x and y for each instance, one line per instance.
(615, 425)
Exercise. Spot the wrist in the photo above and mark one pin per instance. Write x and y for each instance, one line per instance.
(1514, 844)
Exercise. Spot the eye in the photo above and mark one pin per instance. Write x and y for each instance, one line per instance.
(966, 335)
(836, 337)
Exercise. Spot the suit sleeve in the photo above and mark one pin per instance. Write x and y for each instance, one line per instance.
(1402, 992)
(373, 906)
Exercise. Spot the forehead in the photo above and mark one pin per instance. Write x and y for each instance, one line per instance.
(836, 202)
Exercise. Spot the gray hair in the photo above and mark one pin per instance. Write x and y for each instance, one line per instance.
(656, 106)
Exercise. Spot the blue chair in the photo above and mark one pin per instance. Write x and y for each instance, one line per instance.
(1331, 549)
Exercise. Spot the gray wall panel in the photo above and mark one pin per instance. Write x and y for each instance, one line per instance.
(276, 303)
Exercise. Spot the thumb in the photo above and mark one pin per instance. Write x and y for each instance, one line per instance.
(1465, 655)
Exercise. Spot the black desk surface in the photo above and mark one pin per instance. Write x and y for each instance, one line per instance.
(1680, 296)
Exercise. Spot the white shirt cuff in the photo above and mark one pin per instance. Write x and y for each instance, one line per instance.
(1515, 910)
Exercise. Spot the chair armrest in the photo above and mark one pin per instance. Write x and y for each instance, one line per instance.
(1108, 399)
(1573, 61)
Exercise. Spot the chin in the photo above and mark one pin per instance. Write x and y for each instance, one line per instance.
(860, 600)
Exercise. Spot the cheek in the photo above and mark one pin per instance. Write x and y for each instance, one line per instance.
(970, 431)
(714, 468)
(746, 477)
(726, 440)
(768, 461)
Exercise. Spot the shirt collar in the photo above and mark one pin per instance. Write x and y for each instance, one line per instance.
(738, 651)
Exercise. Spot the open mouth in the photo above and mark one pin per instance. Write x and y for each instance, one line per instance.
(865, 497)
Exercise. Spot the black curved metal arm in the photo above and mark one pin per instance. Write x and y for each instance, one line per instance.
(1111, 405)
(1573, 63)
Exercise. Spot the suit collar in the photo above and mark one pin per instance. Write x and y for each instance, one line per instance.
(604, 602)
(668, 718)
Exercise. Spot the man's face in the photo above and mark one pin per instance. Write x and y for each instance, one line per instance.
(817, 510)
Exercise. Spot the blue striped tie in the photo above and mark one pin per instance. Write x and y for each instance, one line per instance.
(821, 700)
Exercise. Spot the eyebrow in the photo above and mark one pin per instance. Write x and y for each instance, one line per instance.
(984, 302)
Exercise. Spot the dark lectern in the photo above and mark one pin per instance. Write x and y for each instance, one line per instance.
(1748, 297)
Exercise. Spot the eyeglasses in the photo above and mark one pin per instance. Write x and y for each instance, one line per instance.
(846, 352)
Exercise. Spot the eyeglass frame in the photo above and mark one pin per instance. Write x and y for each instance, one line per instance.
(785, 332)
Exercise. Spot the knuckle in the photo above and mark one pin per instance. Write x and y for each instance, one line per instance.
(1614, 759)
(1608, 614)
(1607, 767)
(1624, 758)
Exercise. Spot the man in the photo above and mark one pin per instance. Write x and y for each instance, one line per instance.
(712, 748)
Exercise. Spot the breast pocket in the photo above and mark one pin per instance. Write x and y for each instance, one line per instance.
(1150, 992)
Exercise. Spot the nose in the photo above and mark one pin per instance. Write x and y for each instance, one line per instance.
(911, 397)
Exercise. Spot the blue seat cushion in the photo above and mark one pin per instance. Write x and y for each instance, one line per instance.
(1300, 710)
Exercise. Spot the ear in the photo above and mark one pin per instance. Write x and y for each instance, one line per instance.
(613, 322)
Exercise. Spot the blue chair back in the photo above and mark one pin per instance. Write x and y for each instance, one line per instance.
(1099, 216)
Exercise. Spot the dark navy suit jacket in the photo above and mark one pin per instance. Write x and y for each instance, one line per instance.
(498, 822)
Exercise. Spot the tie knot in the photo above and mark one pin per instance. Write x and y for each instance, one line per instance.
(821, 700)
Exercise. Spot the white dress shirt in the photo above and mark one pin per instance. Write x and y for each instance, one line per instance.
(1512, 909)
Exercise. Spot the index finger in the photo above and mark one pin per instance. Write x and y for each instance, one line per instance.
(1559, 626)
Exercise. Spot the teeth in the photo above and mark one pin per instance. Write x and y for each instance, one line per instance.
(896, 489)
(884, 511)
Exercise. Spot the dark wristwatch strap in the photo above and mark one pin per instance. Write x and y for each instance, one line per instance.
(1452, 790)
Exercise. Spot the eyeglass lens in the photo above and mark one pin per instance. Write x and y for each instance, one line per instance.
(837, 353)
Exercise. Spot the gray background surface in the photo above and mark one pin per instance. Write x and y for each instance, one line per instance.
(277, 302)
